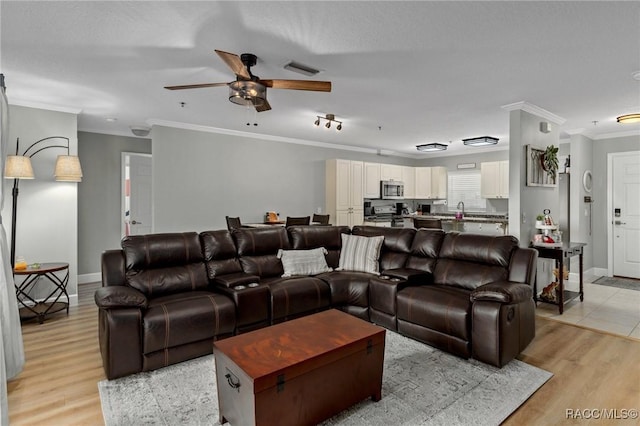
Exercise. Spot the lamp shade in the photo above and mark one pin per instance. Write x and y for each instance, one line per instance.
(18, 167)
(68, 169)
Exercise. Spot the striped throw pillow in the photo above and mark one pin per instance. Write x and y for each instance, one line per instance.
(303, 262)
(360, 253)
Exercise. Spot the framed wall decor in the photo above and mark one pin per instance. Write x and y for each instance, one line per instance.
(536, 174)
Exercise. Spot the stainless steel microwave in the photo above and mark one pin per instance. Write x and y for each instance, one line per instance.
(391, 190)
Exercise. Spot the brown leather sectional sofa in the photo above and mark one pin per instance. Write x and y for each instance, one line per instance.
(167, 297)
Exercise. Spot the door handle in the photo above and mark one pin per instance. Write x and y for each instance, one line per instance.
(135, 222)
(618, 222)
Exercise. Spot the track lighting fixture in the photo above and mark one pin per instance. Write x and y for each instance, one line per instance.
(330, 118)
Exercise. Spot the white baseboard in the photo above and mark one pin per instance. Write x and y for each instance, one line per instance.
(89, 278)
(601, 272)
(73, 300)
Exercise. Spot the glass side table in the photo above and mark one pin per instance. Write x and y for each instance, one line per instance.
(56, 273)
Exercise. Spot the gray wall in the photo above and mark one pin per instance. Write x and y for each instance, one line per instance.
(46, 226)
(581, 149)
(601, 227)
(99, 194)
(525, 202)
(206, 176)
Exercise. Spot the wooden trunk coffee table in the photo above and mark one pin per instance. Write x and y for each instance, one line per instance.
(299, 372)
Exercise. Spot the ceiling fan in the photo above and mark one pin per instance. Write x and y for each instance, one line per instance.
(249, 89)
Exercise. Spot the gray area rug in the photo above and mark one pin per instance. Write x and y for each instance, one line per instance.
(421, 386)
(628, 283)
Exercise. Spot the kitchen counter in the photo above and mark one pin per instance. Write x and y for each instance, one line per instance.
(468, 217)
(479, 223)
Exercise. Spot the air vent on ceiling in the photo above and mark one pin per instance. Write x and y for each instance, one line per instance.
(301, 68)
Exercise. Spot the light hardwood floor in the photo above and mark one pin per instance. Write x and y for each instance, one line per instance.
(592, 370)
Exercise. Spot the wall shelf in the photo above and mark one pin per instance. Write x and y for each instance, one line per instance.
(536, 175)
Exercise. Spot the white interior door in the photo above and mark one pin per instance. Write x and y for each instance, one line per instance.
(626, 215)
(138, 217)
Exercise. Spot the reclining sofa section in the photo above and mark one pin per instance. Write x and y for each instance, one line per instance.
(166, 298)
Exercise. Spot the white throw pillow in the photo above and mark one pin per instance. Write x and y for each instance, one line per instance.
(360, 253)
(303, 262)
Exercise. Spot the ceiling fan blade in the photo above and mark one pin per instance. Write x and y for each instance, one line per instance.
(234, 62)
(316, 86)
(195, 86)
(264, 107)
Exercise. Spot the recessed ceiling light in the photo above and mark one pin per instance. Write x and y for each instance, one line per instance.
(111, 119)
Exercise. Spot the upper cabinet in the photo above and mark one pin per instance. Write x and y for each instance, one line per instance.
(372, 180)
(409, 179)
(494, 181)
(439, 182)
(430, 182)
(390, 172)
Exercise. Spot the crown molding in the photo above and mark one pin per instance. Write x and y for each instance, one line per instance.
(49, 107)
(536, 110)
(209, 129)
(617, 135)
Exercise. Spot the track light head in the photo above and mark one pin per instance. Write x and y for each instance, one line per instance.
(317, 123)
(339, 127)
(328, 125)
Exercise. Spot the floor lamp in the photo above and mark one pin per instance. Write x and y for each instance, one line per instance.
(19, 167)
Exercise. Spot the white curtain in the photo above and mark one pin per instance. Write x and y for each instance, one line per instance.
(11, 347)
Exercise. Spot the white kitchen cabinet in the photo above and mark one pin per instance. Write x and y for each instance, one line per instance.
(409, 180)
(431, 182)
(390, 172)
(439, 182)
(344, 191)
(372, 180)
(494, 179)
(423, 182)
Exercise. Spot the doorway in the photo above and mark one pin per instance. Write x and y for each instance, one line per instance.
(624, 214)
(137, 202)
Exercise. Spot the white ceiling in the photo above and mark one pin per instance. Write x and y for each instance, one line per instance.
(403, 73)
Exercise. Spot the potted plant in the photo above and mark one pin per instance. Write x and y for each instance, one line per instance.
(549, 161)
(539, 220)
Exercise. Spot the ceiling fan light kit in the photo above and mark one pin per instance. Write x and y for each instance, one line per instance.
(247, 93)
(330, 118)
(629, 118)
(480, 141)
(431, 147)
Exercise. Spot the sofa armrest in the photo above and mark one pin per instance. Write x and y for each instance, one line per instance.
(523, 267)
(113, 268)
(506, 292)
(115, 297)
(232, 280)
(413, 276)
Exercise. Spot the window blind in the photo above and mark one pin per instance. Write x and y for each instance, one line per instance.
(465, 186)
